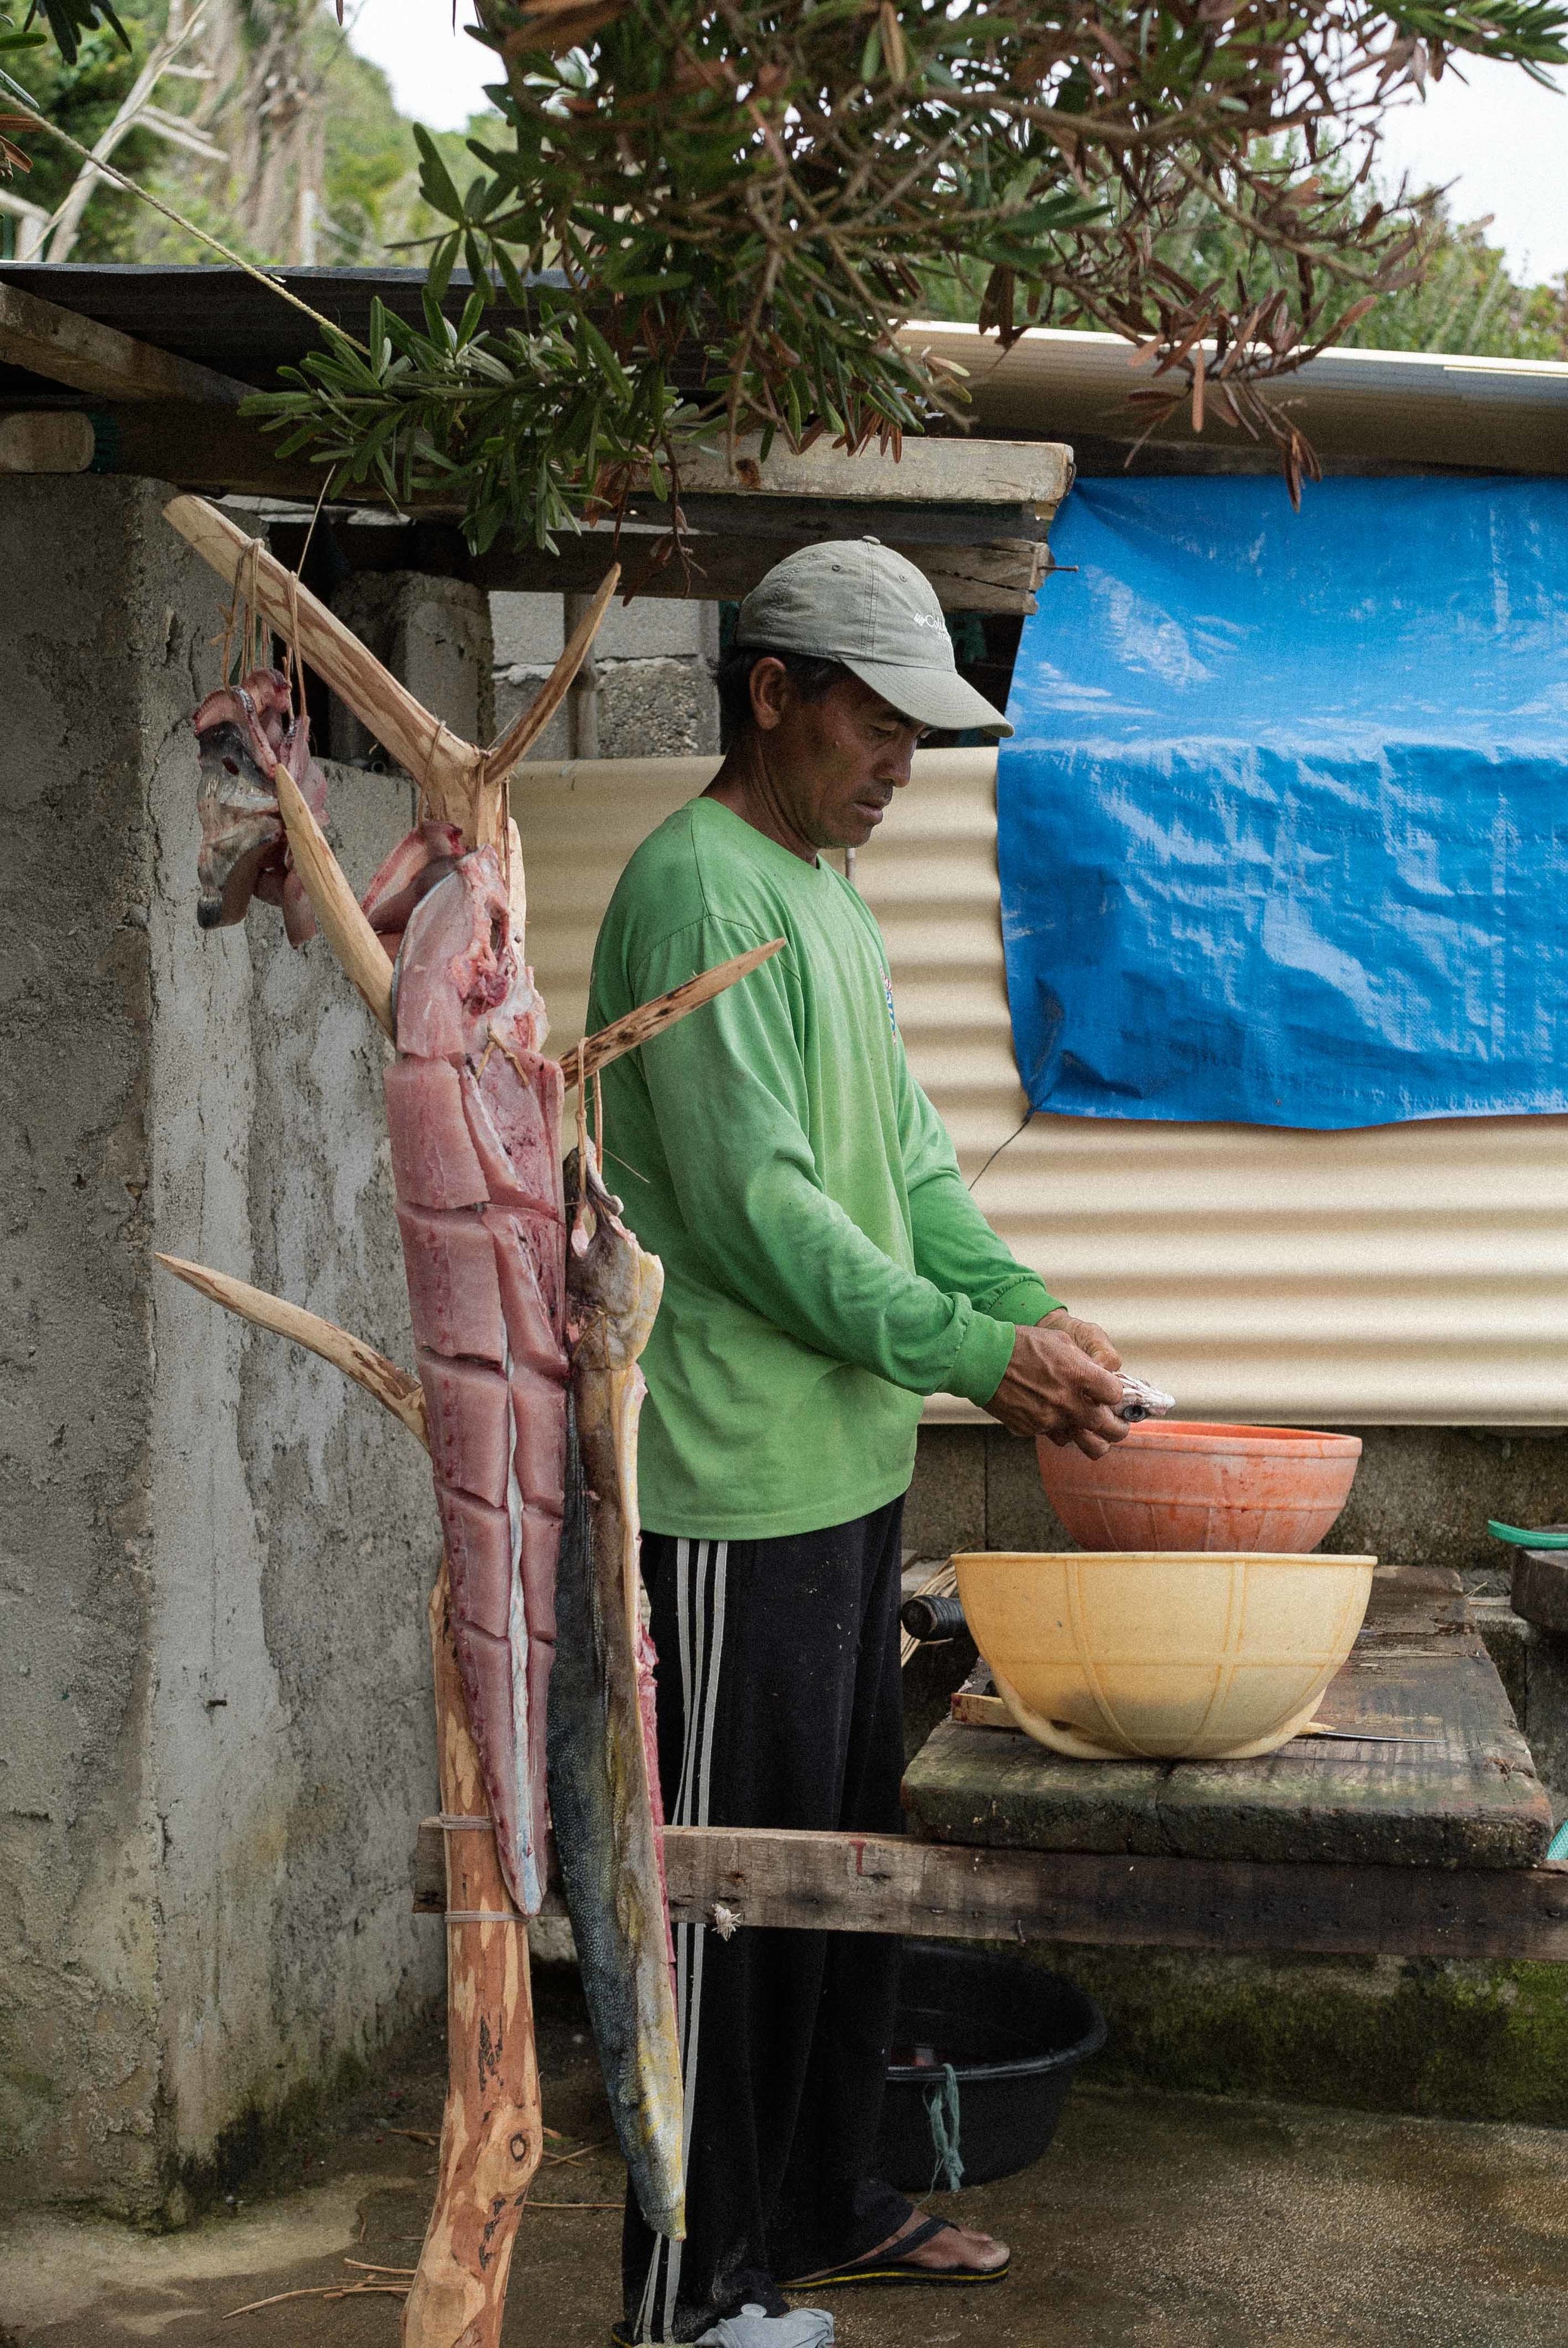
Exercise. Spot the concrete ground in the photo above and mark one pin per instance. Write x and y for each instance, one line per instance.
(1154, 2222)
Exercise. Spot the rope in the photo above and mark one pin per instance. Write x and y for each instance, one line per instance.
(294, 658)
(17, 96)
(942, 2111)
(250, 647)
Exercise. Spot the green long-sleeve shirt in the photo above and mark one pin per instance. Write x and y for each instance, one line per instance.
(824, 1266)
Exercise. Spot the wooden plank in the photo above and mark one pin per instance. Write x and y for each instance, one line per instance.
(1035, 473)
(804, 522)
(425, 544)
(975, 1709)
(863, 1883)
(852, 1883)
(199, 446)
(1465, 1795)
(1539, 1584)
(988, 555)
(67, 348)
(998, 575)
(947, 491)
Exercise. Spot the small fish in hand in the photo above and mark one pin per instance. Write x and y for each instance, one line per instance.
(1139, 1401)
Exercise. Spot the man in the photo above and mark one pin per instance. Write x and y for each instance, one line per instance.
(825, 1269)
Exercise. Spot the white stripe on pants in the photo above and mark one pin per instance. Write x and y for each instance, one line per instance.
(700, 1616)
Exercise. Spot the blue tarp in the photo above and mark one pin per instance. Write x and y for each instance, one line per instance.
(1284, 827)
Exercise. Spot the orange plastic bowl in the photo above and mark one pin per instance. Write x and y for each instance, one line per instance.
(1270, 1489)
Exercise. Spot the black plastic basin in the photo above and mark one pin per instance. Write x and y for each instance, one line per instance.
(1014, 2036)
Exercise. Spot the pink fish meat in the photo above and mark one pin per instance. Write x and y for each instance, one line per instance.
(474, 1113)
(426, 854)
(242, 732)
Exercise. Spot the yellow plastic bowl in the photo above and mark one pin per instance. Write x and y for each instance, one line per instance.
(1162, 1654)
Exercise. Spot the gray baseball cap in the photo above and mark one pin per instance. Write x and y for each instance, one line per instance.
(854, 600)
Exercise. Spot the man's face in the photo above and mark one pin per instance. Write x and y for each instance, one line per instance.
(833, 764)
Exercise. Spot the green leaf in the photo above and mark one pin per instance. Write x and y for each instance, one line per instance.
(442, 263)
(511, 279)
(435, 180)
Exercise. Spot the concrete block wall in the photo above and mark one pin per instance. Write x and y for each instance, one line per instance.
(215, 1723)
(438, 630)
(654, 684)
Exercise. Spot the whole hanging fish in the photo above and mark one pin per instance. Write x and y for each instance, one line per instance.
(603, 1750)
(474, 1114)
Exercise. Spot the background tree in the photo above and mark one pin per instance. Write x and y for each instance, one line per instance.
(265, 130)
(748, 200)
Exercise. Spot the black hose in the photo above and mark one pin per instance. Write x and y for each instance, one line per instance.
(932, 1619)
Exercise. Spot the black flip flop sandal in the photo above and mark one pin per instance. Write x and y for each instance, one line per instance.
(894, 2265)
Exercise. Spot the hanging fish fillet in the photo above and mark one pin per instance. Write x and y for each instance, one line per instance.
(474, 1114)
(603, 1751)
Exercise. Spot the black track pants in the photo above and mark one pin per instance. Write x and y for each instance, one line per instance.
(780, 1705)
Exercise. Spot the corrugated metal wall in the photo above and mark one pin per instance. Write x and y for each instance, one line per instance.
(1413, 1273)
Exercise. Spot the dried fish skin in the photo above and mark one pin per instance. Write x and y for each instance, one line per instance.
(603, 1754)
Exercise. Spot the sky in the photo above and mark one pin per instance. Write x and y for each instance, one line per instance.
(1499, 137)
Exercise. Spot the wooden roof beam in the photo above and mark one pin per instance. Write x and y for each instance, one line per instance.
(64, 347)
(926, 471)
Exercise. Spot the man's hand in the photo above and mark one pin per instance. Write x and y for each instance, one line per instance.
(1087, 1335)
(1061, 1383)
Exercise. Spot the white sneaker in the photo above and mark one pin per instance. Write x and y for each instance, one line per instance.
(802, 2327)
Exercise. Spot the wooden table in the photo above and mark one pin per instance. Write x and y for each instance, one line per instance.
(1462, 1793)
(1430, 1849)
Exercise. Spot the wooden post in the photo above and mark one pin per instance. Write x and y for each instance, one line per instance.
(583, 699)
(492, 2133)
